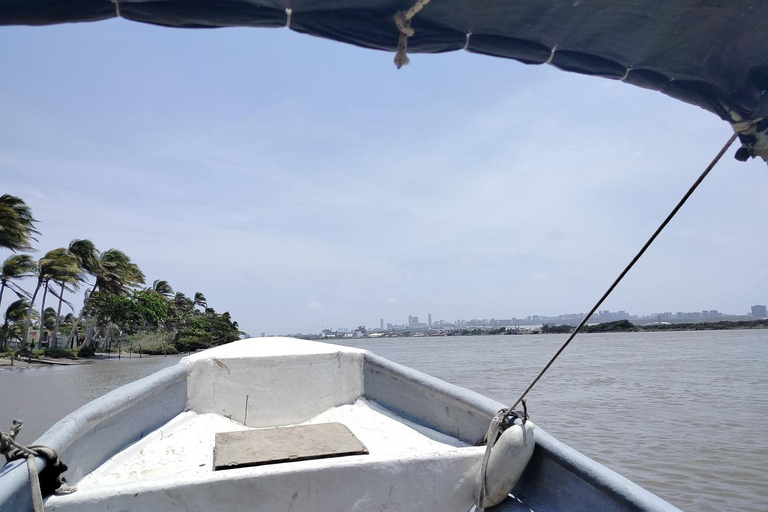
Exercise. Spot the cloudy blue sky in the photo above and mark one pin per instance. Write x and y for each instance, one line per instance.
(302, 184)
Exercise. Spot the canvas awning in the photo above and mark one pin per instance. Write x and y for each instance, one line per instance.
(710, 53)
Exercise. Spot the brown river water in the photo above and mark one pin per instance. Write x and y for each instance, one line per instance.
(683, 414)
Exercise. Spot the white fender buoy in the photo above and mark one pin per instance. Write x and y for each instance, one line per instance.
(509, 457)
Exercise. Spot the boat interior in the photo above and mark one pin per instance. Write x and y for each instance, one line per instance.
(270, 424)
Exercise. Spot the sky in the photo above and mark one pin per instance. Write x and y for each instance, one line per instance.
(303, 184)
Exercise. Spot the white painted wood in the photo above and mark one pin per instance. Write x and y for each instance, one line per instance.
(286, 381)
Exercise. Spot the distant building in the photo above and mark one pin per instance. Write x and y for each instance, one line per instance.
(429, 319)
(413, 321)
(381, 324)
(759, 311)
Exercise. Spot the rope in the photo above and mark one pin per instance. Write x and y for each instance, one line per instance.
(551, 54)
(753, 135)
(506, 417)
(629, 267)
(49, 480)
(503, 419)
(403, 22)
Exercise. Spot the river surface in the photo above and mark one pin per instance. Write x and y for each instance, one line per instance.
(683, 414)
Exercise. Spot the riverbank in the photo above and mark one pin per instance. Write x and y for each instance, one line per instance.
(627, 326)
(8, 363)
(36, 362)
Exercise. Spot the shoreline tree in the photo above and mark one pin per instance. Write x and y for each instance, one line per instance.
(113, 304)
(17, 226)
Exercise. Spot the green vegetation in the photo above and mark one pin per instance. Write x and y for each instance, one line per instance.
(17, 226)
(617, 326)
(86, 351)
(60, 353)
(115, 311)
(556, 329)
(627, 326)
(153, 343)
(708, 326)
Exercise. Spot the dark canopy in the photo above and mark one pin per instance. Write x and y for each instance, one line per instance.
(711, 53)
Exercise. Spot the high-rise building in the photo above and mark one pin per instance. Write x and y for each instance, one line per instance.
(381, 322)
(429, 319)
(759, 311)
(413, 321)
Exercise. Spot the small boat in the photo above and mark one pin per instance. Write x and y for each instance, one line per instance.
(399, 439)
(267, 424)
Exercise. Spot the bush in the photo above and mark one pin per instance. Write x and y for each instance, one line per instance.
(86, 351)
(153, 343)
(58, 353)
(556, 329)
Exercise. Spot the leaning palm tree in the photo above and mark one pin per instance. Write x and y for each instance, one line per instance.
(87, 257)
(199, 300)
(54, 265)
(183, 303)
(17, 266)
(17, 226)
(14, 318)
(162, 287)
(115, 273)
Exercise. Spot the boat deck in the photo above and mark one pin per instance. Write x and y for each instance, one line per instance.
(183, 448)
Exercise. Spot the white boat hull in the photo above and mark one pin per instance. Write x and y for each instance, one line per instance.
(148, 445)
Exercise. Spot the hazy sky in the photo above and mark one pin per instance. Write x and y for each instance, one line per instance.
(301, 183)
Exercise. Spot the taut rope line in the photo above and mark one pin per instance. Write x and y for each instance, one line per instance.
(629, 267)
(509, 414)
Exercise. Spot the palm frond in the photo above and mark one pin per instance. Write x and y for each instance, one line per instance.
(17, 230)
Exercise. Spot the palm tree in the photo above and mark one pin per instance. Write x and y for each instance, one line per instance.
(199, 300)
(162, 287)
(14, 318)
(49, 321)
(17, 266)
(115, 273)
(17, 228)
(56, 264)
(182, 303)
(87, 257)
(67, 323)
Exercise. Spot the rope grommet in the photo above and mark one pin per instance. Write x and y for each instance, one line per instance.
(288, 13)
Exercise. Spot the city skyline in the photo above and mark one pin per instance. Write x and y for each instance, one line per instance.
(413, 322)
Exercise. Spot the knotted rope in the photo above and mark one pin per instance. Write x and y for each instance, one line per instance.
(49, 480)
(503, 419)
(403, 22)
(753, 136)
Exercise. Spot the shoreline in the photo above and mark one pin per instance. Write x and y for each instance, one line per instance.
(42, 362)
